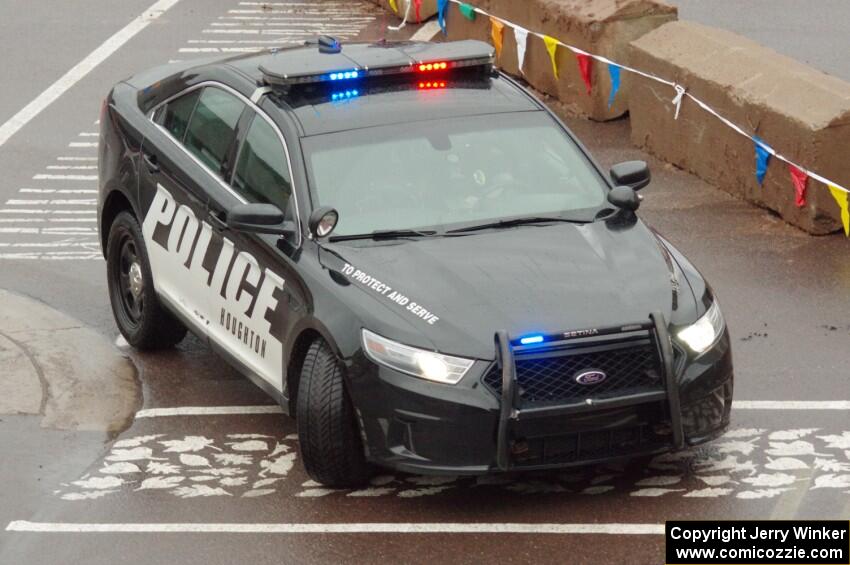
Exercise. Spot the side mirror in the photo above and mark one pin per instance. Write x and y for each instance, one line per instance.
(259, 218)
(634, 174)
(625, 198)
(323, 220)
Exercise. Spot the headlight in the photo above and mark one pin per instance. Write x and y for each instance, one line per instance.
(417, 362)
(705, 332)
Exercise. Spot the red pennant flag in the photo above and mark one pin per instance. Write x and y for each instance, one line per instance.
(800, 179)
(418, 5)
(585, 64)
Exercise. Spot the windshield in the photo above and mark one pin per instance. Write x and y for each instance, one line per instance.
(450, 173)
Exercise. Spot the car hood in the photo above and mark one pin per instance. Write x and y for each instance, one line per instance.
(528, 279)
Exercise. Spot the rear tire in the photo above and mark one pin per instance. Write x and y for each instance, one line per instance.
(141, 318)
(327, 427)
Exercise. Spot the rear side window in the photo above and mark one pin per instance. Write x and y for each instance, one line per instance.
(178, 112)
(212, 126)
(262, 173)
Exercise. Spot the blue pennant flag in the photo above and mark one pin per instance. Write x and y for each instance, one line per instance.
(762, 159)
(614, 71)
(441, 14)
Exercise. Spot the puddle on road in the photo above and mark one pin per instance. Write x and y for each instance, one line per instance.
(746, 463)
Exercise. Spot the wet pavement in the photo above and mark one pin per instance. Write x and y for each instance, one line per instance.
(229, 485)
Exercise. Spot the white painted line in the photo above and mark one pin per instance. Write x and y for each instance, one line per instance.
(31, 202)
(81, 144)
(208, 411)
(76, 158)
(791, 404)
(52, 244)
(51, 231)
(59, 190)
(43, 212)
(272, 409)
(339, 528)
(44, 176)
(238, 41)
(53, 255)
(19, 230)
(43, 220)
(89, 134)
(81, 69)
(71, 167)
(427, 32)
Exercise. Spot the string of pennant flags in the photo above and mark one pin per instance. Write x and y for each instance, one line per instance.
(764, 153)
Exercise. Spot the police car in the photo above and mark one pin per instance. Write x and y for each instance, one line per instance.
(412, 255)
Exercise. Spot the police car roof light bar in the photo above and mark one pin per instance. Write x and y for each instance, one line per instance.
(359, 61)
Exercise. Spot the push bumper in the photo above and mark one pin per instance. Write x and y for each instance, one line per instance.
(417, 426)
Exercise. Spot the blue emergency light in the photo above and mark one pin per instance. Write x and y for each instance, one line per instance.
(531, 339)
(344, 75)
(345, 95)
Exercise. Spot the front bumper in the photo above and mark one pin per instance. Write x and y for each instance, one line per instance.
(417, 426)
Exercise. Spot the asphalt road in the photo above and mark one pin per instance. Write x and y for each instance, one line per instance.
(783, 292)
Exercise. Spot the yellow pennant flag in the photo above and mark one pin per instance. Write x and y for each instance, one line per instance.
(496, 30)
(842, 198)
(394, 6)
(552, 48)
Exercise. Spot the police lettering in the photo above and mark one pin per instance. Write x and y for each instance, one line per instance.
(249, 292)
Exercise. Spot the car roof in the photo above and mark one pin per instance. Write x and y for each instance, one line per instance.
(382, 101)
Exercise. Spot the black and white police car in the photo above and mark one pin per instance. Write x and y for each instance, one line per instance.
(409, 252)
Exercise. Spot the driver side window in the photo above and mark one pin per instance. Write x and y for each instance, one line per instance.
(262, 173)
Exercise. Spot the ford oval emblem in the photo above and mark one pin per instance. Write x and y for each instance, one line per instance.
(591, 377)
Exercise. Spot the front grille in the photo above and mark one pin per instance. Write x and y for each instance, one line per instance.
(590, 445)
(549, 377)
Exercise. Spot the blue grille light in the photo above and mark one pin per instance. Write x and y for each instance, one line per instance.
(528, 340)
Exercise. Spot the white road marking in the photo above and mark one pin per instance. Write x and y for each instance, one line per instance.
(791, 404)
(59, 190)
(237, 41)
(52, 244)
(50, 231)
(427, 32)
(20, 230)
(47, 176)
(339, 528)
(68, 158)
(208, 411)
(30, 202)
(43, 220)
(71, 167)
(54, 255)
(81, 69)
(89, 134)
(43, 212)
(82, 144)
(271, 409)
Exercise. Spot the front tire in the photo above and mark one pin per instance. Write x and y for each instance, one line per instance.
(141, 318)
(327, 427)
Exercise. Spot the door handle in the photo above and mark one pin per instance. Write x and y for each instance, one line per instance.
(217, 219)
(151, 163)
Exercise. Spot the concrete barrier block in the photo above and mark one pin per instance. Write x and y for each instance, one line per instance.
(800, 112)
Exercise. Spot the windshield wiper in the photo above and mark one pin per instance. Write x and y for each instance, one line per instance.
(383, 234)
(517, 222)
